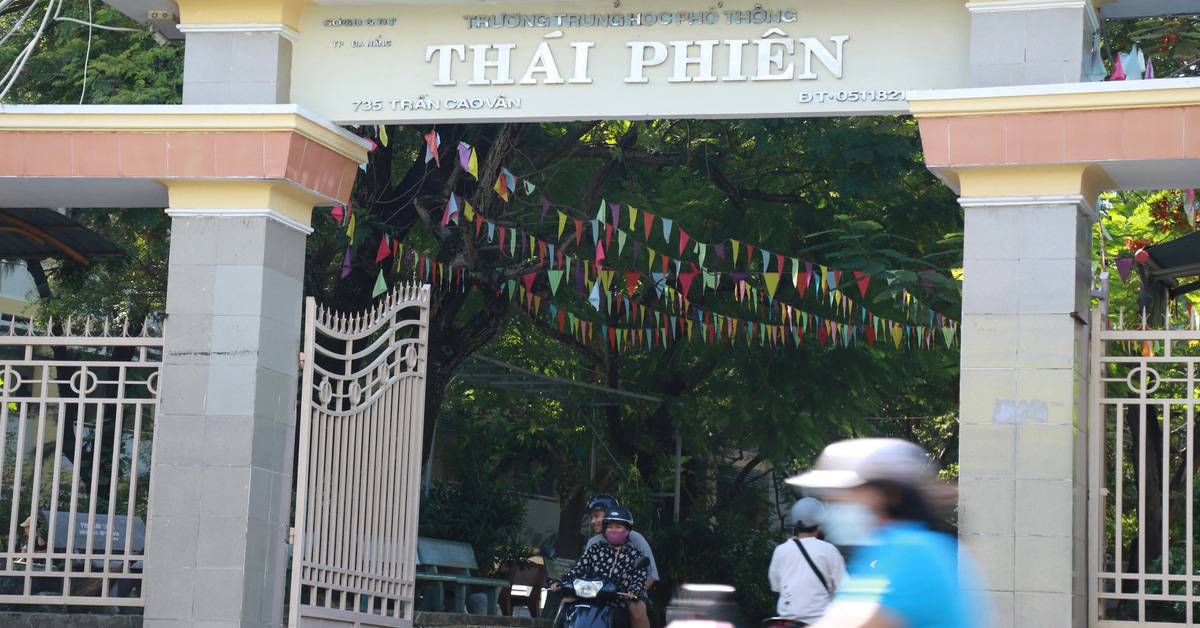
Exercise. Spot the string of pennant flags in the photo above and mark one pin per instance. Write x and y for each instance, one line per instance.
(683, 320)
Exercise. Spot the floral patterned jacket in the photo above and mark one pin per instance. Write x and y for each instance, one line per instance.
(614, 563)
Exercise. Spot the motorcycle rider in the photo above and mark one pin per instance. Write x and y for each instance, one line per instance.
(805, 570)
(598, 507)
(907, 569)
(614, 559)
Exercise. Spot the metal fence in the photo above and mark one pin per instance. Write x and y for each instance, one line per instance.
(362, 407)
(77, 410)
(1143, 505)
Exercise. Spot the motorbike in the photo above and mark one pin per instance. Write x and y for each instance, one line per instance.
(781, 622)
(592, 593)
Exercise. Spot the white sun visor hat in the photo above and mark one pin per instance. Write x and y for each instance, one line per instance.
(849, 463)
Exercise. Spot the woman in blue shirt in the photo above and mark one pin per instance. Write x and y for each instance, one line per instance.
(906, 570)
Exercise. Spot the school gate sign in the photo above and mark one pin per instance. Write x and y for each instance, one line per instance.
(371, 64)
(1006, 120)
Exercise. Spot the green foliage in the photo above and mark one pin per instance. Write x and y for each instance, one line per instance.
(477, 503)
(130, 288)
(122, 67)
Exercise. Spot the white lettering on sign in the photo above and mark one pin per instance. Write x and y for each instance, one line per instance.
(775, 60)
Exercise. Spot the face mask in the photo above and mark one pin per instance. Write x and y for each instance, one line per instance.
(616, 537)
(850, 524)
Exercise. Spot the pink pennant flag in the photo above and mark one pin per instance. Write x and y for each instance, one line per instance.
(863, 282)
(529, 281)
(683, 240)
(545, 208)
(1118, 73)
(338, 213)
(599, 251)
(432, 142)
(372, 143)
(384, 250)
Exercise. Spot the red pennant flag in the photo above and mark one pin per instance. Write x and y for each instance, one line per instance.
(871, 336)
(562, 321)
(631, 281)
(683, 240)
(529, 281)
(685, 282)
(431, 141)
(384, 250)
(502, 231)
(542, 251)
(608, 234)
(749, 254)
(779, 261)
(863, 282)
(647, 222)
(664, 264)
(578, 231)
(337, 213)
(478, 224)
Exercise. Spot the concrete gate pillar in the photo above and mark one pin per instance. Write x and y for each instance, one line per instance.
(221, 482)
(1018, 42)
(1023, 419)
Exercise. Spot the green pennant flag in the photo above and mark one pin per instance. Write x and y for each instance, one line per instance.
(703, 249)
(512, 289)
(555, 279)
(620, 242)
(603, 207)
(380, 286)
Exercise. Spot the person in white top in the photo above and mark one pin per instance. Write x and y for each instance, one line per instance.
(805, 570)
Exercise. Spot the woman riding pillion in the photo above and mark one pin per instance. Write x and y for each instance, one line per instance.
(614, 559)
(906, 569)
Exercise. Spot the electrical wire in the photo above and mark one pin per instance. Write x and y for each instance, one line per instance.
(21, 21)
(120, 29)
(87, 55)
(10, 77)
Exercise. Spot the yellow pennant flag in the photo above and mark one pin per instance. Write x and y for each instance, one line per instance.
(632, 218)
(562, 223)
(383, 136)
(468, 211)
(473, 165)
(606, 277)
(772, 281)
(735, 250)
(350, 229)
(897, 334)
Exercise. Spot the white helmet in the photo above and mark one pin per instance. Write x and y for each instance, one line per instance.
(849, 463)
(808, 512)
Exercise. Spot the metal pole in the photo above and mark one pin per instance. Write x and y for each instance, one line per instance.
(678, 469)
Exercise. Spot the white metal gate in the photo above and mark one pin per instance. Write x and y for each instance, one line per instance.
(358, 476)
(1145, 387)
(77, 412)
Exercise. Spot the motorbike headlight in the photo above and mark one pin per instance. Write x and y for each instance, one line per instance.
(587, 588)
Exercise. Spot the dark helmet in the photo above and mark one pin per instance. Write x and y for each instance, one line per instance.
(619, 514)
(602, 501)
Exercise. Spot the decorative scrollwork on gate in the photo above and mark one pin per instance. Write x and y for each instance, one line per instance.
(359, 462)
